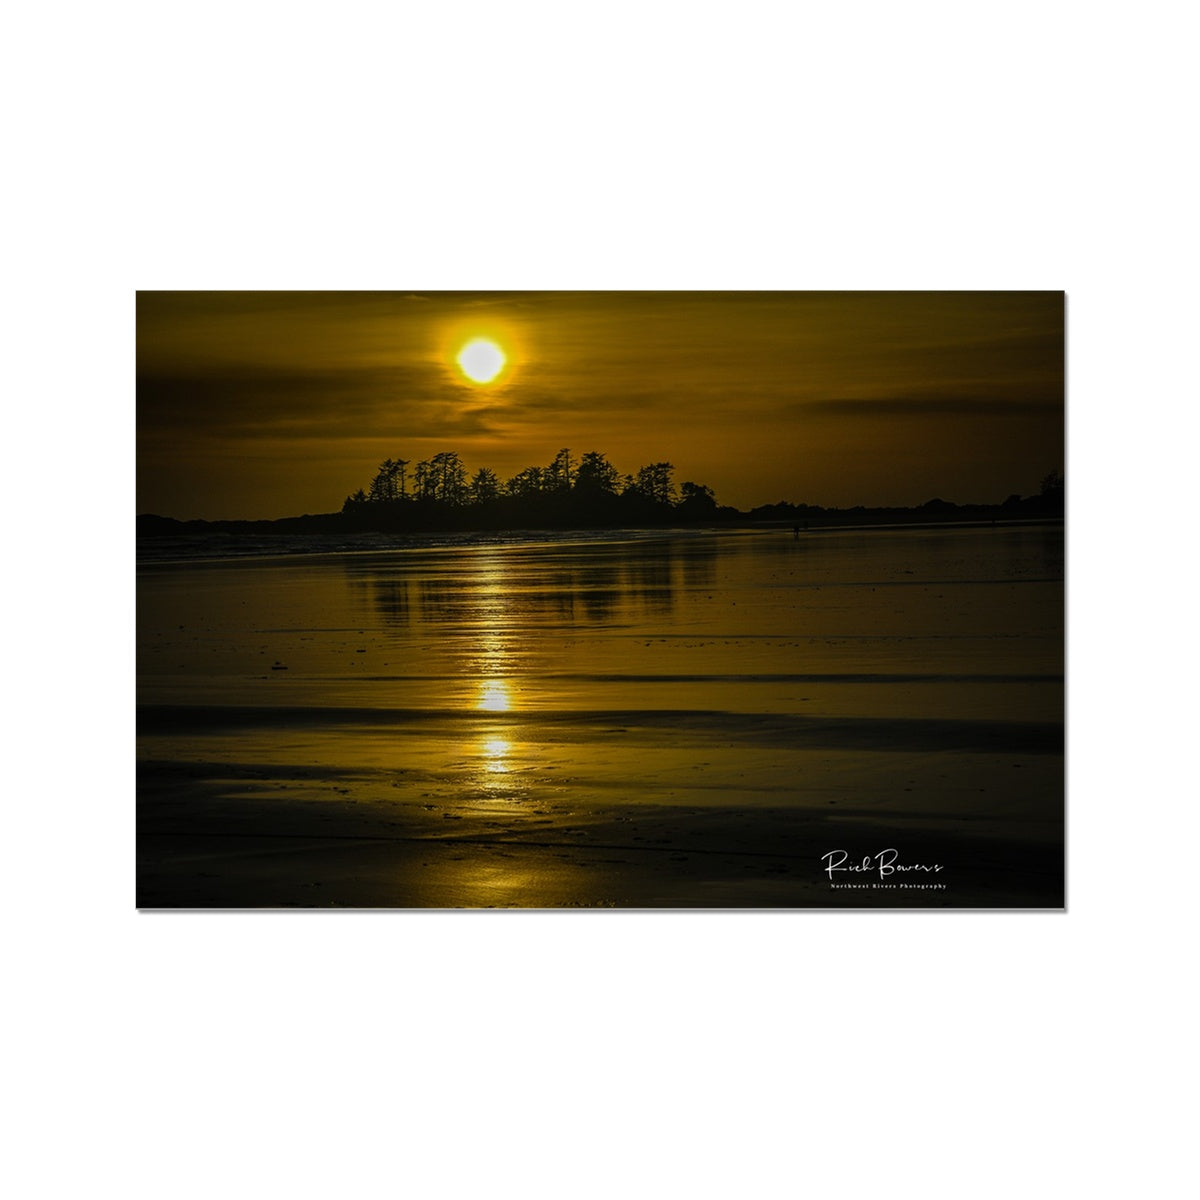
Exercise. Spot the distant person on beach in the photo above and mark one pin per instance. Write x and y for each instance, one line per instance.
(796, 532)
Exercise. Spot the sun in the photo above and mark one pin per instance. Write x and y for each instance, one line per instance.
(481, 360)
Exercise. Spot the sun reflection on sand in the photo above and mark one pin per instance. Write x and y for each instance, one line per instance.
(493, 696)
(495, 752)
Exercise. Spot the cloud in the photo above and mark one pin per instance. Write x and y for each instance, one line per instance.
(258, 402)
(950, 404)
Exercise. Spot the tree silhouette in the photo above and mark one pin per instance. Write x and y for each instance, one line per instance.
(1053, 494)
(525, 483)
(696, 500)
(654, 483)
(383, 486)
(557, 476)
(449, 478)
(596, 474)
(1053, 484)
(423, 481)
(587, 492)
(485, 486)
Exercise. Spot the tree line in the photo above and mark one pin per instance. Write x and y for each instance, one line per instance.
(568, 491)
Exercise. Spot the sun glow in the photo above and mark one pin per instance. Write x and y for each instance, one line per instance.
(481, 360)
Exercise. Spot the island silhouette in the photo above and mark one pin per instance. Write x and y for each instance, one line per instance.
(588, 492)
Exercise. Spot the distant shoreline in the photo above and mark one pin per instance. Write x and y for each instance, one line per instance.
(934, 523)
(806, 519)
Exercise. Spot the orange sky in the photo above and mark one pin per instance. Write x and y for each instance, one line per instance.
(277, 403)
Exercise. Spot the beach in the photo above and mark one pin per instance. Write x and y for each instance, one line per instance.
(664, 719)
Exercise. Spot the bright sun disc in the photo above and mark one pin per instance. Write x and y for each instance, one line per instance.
(480, 360)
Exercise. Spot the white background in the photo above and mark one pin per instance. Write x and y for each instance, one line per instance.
(857, 145)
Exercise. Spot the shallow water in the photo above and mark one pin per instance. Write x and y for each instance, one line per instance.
(732, 695)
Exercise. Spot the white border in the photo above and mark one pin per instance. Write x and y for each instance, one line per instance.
(657, 145)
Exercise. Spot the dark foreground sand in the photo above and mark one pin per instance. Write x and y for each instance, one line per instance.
(681, 723)
(216, 842)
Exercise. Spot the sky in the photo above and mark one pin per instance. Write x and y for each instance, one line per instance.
(271, 404)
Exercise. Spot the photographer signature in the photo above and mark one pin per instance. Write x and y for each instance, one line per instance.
(885, 862)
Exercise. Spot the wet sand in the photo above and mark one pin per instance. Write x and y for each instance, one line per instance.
(681, 720)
